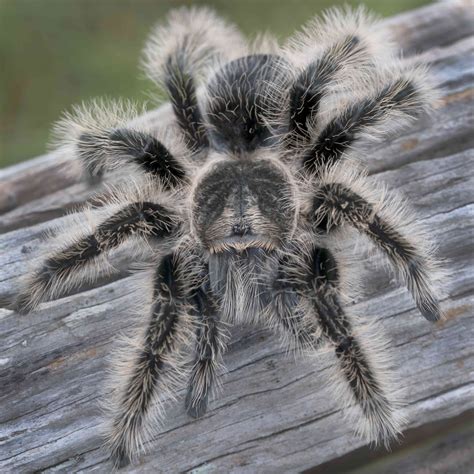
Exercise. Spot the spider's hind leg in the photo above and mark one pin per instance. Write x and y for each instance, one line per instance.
(348, 84)
(396, 98)
(101, 135)
(330, 55)
(190, 43)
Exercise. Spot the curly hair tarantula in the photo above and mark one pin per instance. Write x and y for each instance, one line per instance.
(241, 205)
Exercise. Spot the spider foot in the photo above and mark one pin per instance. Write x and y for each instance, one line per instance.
(196, 408)
(120, 458)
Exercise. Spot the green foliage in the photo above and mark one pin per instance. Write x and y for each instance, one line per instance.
(55, 53)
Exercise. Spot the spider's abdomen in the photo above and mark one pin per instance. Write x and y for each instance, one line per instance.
(237, 101)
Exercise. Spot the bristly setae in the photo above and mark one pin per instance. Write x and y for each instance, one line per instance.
(238, 206)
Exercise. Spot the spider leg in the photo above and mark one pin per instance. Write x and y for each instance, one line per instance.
(154, 369)
(313, 83)
(190, 42)
(182, 90)
(210, 344)
(102, 137)
(329, 55)
(364, 378)
(398, 100)
(316, 281)
(388, 226)
(79, 260)
(288, 307)
(139, 148)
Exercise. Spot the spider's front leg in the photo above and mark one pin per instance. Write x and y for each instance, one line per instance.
(82, 260)
(156, 367)
(306, 304)
(289, 308)
(365, 379)
(211, 338)
(342, 198)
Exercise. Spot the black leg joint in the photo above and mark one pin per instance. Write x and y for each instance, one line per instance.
(345, 344)
(324, 267)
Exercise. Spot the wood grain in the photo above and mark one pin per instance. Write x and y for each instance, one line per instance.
(274, 413)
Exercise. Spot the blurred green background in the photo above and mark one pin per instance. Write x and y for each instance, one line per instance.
(54, 53)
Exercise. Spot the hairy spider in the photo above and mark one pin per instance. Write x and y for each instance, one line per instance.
(237, 207)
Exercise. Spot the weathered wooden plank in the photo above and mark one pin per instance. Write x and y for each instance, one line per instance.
(450, 453)
(443, 446)
(274, 413)
(438, 24)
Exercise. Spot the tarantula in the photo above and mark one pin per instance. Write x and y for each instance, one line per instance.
(239, 207)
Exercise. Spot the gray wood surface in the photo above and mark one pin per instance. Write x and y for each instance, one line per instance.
(274, 413)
